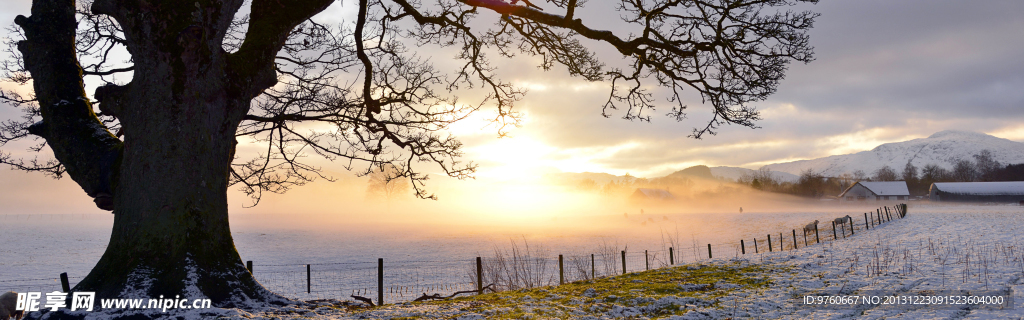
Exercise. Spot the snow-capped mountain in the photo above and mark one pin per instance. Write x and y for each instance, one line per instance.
(943, 148)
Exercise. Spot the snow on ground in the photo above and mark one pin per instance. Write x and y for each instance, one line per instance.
(934, 250)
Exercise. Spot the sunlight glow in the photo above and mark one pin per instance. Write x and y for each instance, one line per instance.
(519, 158)
(477, 123)
(587, 159)
(862, 140)
(1012, 133)
(533, 86)
(531, 203)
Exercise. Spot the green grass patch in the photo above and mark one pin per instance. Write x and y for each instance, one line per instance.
(640, 291)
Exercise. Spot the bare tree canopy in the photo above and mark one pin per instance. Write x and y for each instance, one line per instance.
(386, 183)
(909, 173)
(885, 173)
(986, 165)
(159, 150)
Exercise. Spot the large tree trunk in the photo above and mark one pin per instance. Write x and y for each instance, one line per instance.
(179, 116)
(170, 201)
(171, 234)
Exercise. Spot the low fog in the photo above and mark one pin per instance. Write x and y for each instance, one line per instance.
(343, 221)
(555, 211)
(544, 208)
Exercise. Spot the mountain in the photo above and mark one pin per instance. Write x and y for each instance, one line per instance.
(943, 148)
(734, 173)
(600, 178)
(701, 171)
(728, 173)
(698, 172)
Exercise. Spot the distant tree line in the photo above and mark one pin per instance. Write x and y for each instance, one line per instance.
(692, 181)
(815, 185)
(628, 183)
(810, 184)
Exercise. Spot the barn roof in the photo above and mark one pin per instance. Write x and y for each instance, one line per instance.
(981, 188)
(883, 188)
(887, 188)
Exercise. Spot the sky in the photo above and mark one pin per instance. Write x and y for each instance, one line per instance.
(885, 71)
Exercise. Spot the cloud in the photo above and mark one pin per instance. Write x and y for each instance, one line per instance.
(885, 71)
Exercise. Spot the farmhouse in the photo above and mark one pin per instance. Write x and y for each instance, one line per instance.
(1004, 191)
(645, 194)
(875, 191)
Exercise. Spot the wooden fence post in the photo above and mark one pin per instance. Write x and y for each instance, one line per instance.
(592, 268)
(380, 281)
(709, 251)
(309, 280)
(671, 257)
(850, 222)
(64, 283)
(866, 225)
(816, 238)
(794, 239)
(561, 271)
(479, 276)
(782, 246)
(805, 237)
(770, 243)
(623, 261)
(755, 245)
(743, 249)
(835, 236)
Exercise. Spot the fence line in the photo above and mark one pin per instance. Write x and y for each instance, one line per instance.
(398, 281)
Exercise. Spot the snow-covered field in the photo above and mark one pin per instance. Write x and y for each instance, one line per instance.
(944, 250)
(344, 256)
(936, 249)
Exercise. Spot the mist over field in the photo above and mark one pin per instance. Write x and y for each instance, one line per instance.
(341, 221)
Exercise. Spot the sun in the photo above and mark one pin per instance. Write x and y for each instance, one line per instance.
(520, 159)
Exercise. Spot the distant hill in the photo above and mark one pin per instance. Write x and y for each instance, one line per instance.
(572, 177)
(701, 171)
(734, 173)
(943, 148)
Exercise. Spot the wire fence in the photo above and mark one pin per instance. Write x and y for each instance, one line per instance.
(403, 280)
(386, 281)
(34, 285)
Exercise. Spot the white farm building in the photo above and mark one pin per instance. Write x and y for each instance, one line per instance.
(1003, 191)
(875, 191)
